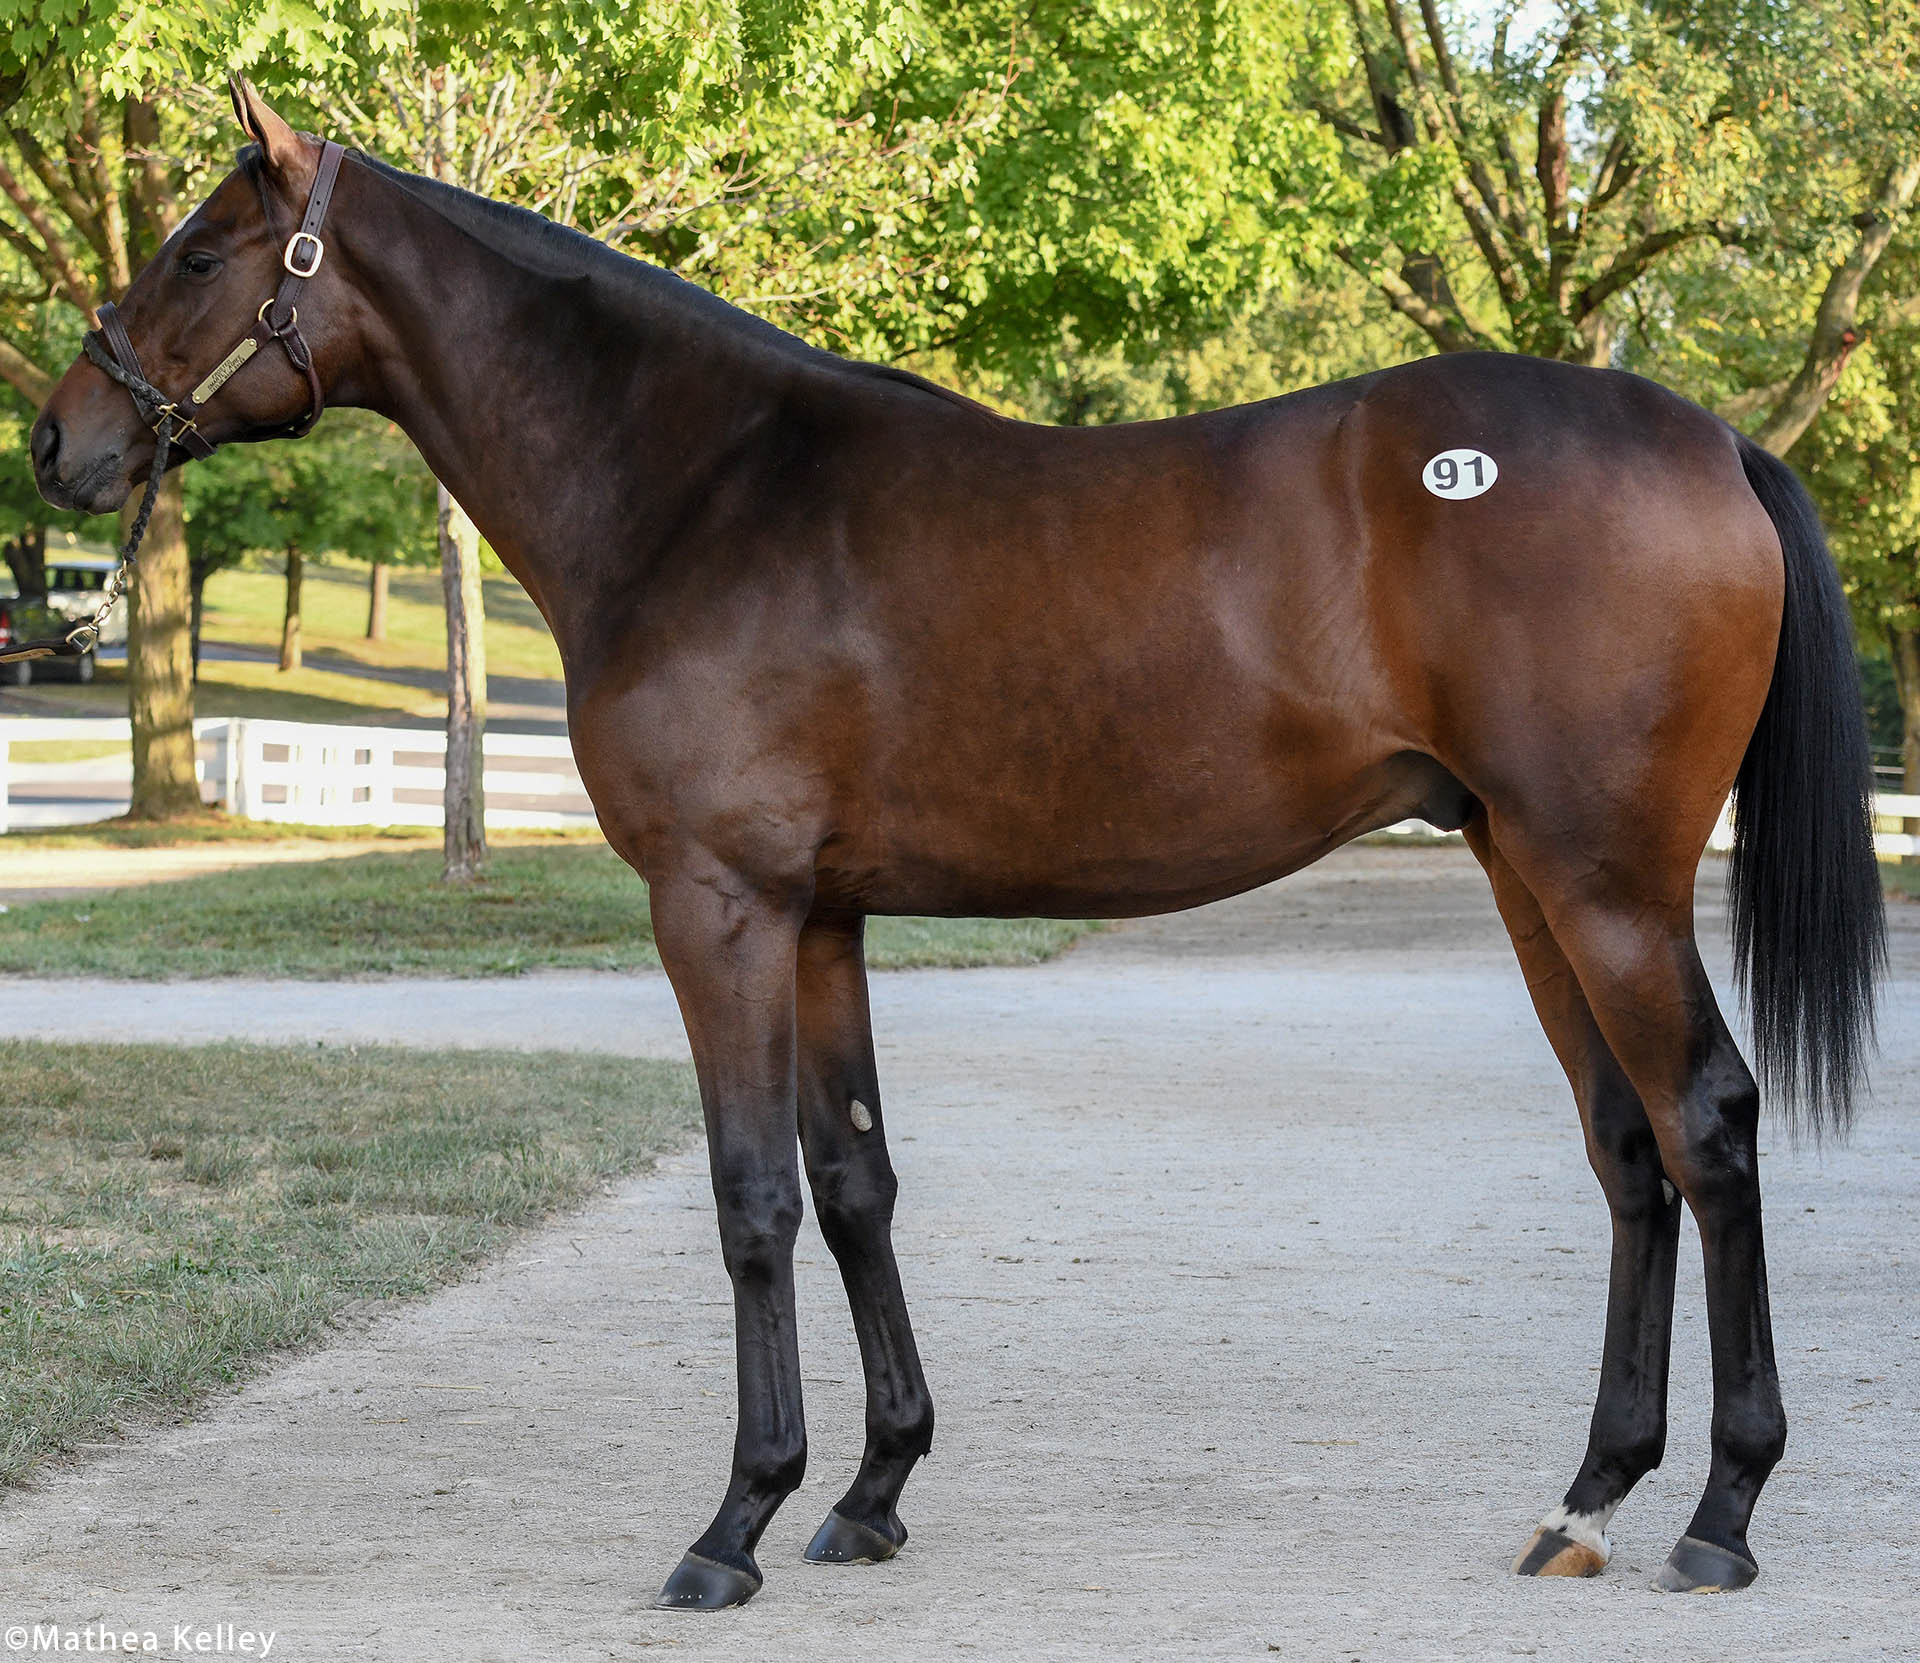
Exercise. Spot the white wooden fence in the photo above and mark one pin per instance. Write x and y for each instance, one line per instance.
(314, 774)
(308, 773)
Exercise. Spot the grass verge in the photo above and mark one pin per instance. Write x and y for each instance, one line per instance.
(541, 906)
(169, 1216)
(250, 606)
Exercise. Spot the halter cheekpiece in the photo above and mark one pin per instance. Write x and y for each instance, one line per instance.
(175, 421)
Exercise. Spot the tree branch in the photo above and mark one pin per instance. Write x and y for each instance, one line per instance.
(1346, 124)
(1481, 223)
(1834, 330)
(70, 201)
(54, 262)
(1627, 266)
(1449, 333)
(1751, 402)
(22, 374)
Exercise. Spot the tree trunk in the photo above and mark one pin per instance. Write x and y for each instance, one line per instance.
(160, 665)
(466, 808)
(26, 557)
(290, 629)
(159, 613)
(197, 585)
(1904, 645)
(377, 602)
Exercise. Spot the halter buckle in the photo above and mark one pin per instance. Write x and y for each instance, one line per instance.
(294, 251)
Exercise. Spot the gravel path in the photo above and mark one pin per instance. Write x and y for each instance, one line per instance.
(1258, 1274)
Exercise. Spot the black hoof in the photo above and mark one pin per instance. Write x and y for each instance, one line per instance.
(843, 1541)
(1697, 1567)
(704, 1585)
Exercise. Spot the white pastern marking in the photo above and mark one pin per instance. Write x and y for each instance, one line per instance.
(862, 1116)
(1459, 474)
(1588, 1529)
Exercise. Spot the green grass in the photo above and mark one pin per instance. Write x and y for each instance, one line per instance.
(552, 905)
(250, 607)
(169, 1216)
(66, 750)
(1901, 879)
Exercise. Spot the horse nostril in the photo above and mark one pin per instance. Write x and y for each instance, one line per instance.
(45, 444)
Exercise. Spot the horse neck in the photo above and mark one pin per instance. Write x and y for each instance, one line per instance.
(574, 420)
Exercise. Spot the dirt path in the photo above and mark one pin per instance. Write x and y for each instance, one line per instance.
(1319, 1124)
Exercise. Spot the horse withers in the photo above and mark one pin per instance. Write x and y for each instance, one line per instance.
(839, 642)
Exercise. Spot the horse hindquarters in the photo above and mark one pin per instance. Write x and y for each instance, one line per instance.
(1602, 861)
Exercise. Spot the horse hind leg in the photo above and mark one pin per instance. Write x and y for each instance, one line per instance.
(1627, 1436)
(843, 1138)
(1625, 925)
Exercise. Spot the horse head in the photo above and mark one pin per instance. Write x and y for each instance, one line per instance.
(189, 331)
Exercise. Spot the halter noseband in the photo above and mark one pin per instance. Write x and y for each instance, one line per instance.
(174, 420)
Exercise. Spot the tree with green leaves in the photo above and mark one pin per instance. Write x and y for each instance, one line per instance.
(1862, 458)
(355, 486)
(1546, 184)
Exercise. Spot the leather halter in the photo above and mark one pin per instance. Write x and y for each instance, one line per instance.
(279, 320)
(173, 420)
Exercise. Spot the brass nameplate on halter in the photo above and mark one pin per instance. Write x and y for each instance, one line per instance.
(227, 365)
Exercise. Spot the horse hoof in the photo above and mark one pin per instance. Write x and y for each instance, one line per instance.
(844, 1541)
(706, 1585)
(1697, 1567)
(1551, 1552)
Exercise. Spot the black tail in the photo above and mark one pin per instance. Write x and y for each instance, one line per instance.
(1809, 927)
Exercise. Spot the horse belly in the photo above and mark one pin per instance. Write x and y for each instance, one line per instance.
(1120, 818)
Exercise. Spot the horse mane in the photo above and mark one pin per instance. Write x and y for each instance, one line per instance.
(549, 249)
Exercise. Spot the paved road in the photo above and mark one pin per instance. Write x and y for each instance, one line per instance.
(1258, 1274)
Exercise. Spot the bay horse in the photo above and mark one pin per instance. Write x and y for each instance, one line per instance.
(838, 642)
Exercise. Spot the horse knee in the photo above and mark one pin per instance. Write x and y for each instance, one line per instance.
(759, 1223)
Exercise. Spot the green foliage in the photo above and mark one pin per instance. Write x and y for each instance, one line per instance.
(354, 487)
(1560, 170)
(37, 329)
(971, 180)
(1863, 461)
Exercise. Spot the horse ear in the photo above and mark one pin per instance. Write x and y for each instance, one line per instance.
(279, 144)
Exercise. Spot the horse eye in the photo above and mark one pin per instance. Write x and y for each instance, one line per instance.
(199, 264)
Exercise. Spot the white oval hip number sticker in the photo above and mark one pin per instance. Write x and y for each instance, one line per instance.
(1459, 474)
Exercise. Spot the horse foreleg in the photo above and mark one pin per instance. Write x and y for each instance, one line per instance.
(844, 1138)
(1629, 1428)
(730, 955)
